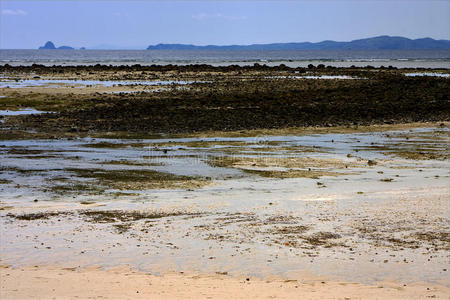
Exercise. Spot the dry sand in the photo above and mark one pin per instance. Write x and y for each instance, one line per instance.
(123, 283)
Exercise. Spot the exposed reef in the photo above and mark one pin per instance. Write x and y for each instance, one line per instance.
(226, 98)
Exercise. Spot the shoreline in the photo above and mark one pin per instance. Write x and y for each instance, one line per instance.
(293, 58)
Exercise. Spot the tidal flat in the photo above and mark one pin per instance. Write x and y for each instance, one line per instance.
(236, 174)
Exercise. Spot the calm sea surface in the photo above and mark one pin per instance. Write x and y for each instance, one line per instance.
(397, 58)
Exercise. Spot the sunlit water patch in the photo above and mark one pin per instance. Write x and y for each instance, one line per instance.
(25, 111)
(52, 83)
(314, 77)
(427, 74)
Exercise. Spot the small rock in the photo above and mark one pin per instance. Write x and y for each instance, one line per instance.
(387, 179)
(371, 162)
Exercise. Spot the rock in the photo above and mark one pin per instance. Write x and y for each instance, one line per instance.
(48, 45)
(387, 179)
(371, 162)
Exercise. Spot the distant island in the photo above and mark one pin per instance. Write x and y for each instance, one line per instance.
(375, 43)
(50, 46)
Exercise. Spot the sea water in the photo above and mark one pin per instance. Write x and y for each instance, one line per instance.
(292, 58)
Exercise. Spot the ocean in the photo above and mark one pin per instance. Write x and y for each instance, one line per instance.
(360, 58)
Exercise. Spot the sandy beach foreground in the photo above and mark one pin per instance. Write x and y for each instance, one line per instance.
(123, 283)
(332, 216)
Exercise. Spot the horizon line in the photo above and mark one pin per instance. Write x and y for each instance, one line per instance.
(99, 47)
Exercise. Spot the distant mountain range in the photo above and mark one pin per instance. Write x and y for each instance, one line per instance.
(376, 43)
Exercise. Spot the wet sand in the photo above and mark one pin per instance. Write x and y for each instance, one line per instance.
(366, 207)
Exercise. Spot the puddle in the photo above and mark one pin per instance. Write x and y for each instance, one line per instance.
(313, 77)
(21, 112)
(157, 90)
(25, 111)
(428, 74)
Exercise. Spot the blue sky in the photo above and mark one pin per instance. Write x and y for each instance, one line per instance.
(137, 24)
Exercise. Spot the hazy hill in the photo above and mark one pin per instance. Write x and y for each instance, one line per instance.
(376, 43)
